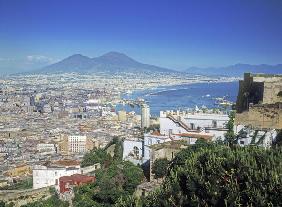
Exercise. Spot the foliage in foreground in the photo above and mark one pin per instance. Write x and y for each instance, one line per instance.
(160, 167)
(120, 179)
(216, 175)
(116, 179)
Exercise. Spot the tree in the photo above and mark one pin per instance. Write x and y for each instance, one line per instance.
(230, 137)
(118, 150)
(278, 139)
(95, 156)
(160, 167)
(2, 204)
(222, 176)
(118, 180)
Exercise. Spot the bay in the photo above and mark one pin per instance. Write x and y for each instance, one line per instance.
(182, 97)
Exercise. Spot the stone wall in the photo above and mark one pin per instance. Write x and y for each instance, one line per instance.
(258, 89)
(22, 197)
(259, 101)
(266, 116)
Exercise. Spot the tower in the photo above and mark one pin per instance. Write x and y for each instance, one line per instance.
(145, 116)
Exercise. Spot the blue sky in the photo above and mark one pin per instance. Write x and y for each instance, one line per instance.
(172, 33)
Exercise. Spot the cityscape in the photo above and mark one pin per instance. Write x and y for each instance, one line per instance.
(82, 128)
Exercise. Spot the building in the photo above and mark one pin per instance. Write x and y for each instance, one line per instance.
(203, 123)
(166, 150)
(146, 188)
(258, 89)
(49, 174)
(133, 150)
(80, 144)
(152, 139)
(259, 101)
(46, 148)
(63, 144)
(176, 126)
(145, 116)
(66, 183)
(122, 116)
(258, 109)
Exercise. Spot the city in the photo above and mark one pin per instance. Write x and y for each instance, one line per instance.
(194, 119)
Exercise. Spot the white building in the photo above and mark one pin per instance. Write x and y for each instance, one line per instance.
(77, 144)
(133, 150)
(145, 116)
(46, 147)
(177, 125)
(180, 122)
(151, 139)
(44, 176)
(249, 136)
(122, 116)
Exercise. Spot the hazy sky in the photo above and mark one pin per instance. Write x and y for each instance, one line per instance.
(172, 33)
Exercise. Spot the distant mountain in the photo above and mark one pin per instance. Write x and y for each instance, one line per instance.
(236, 70)
(109, 62)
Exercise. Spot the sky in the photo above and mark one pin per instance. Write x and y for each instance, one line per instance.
(175, 34)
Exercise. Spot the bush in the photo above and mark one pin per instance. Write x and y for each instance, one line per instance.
(220, 176)
(118, 180)
(95, 156)
(160, 167)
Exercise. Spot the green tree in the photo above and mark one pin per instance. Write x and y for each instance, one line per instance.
(221, 176)
(2, 204)
(278, 139)
(118, 150)
(96, 156)
(117, 180)
(230, 138)
(160, 167)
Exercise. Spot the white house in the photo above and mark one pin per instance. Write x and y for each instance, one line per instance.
(249, 136)
(179, 122)
(44, 176)
(177, 125)
(151, 139)
(133, 150)
(46, 148)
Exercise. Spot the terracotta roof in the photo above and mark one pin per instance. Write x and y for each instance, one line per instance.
(76, 177)
(67, 162)
(157, 133)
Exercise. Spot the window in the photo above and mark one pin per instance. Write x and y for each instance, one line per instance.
(214, 123)
(136, 151)
(242, 142)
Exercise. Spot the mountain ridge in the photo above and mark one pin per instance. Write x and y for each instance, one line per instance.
(236, 70)
(119, 62)
(110, 62)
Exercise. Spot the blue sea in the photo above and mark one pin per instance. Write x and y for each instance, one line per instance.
(183, 96)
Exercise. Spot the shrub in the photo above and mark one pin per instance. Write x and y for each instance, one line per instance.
(160, 167)
(221, 176)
